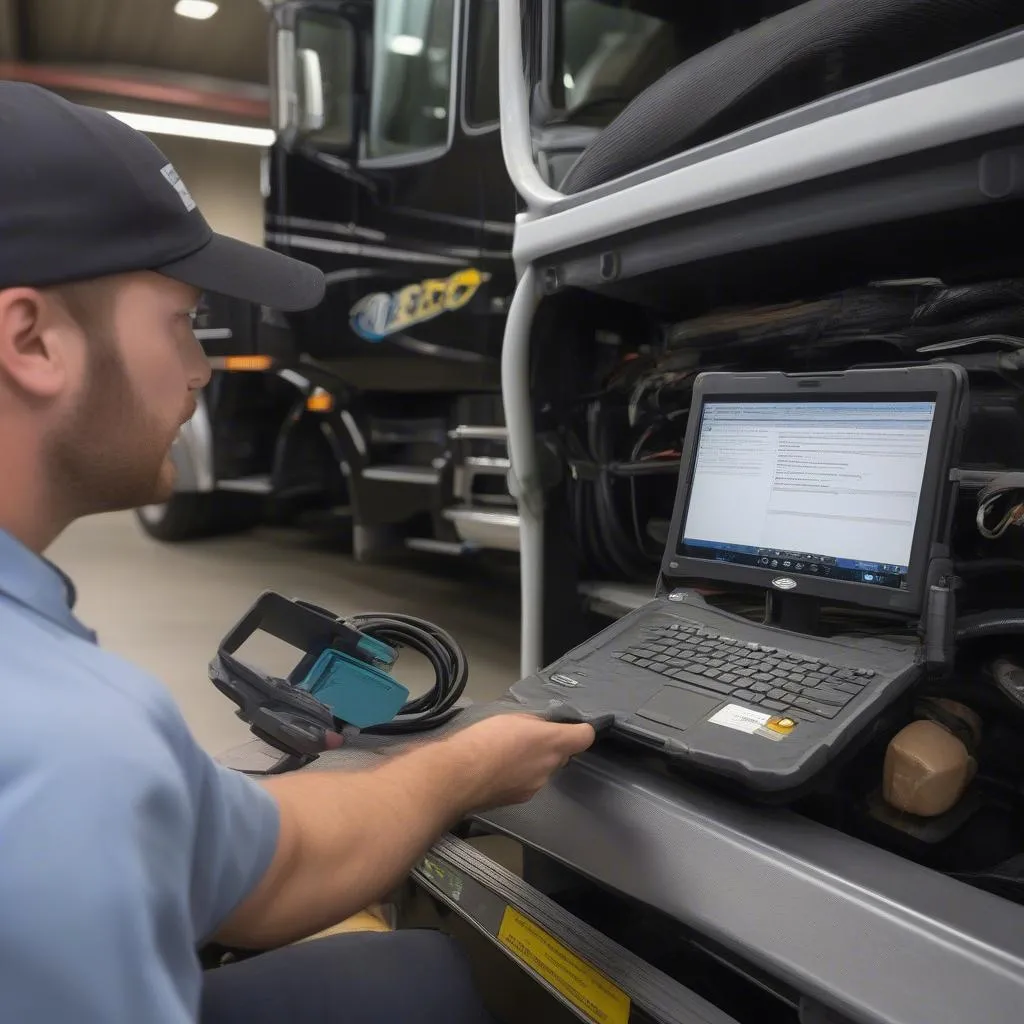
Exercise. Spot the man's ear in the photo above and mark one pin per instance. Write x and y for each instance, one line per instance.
(33, 343)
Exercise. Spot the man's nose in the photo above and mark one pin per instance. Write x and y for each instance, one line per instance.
(202, 378)
(200, 370)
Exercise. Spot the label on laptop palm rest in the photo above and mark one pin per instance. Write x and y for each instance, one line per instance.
(753, 723)
(733, 716)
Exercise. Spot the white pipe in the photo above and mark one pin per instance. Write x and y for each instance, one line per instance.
(524, 478)
(516, 141)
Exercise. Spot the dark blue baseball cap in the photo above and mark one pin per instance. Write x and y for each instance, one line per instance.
(83, 195)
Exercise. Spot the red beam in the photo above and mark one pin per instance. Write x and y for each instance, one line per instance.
(57, 78)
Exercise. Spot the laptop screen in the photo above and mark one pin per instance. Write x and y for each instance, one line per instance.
(819, 488)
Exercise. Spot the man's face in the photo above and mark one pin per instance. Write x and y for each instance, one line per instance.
(133, 388)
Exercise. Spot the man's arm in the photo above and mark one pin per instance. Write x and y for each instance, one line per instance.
(347, 838)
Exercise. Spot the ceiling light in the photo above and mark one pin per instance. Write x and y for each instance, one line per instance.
(157, 124)
(198, 9)
(407, 46)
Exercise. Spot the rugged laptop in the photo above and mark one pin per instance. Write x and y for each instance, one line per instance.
(824, 492)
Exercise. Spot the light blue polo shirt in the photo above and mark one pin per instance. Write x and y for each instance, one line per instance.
(123, 846)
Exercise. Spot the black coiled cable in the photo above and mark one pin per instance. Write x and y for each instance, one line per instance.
(440, 648)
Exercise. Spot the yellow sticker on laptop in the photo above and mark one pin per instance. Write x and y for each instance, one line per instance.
(600, 1000)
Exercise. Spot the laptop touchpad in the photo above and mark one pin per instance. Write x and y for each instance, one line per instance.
(678, 708)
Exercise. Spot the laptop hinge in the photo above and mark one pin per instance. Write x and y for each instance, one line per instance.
(796, 613)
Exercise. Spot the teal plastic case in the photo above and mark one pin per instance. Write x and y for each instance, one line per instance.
(357, 692)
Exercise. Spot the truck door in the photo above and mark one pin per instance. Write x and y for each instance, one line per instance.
(390, 202)
(423, 201)
(318, 52)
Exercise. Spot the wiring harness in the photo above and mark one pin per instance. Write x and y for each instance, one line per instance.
(622, 440)
(1001, 505)
(440, 648)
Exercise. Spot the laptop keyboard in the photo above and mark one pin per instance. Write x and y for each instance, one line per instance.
(766, 676)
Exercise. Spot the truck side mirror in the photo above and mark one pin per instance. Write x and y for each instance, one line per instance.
(316, 79)
(311, 116)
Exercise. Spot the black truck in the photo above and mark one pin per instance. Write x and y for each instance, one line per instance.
(383, 405)
(382, 409)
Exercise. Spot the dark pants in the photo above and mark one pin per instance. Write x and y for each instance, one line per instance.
(404, 977)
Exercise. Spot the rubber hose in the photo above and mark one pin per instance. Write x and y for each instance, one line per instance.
(1002, 622)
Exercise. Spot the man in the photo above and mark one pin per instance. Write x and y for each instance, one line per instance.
(123, 847)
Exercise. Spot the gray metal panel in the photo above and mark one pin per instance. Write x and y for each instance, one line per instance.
(983, 101)
(865, 932)
(944, 184)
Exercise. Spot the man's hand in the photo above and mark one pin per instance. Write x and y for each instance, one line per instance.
(347, 838)
(511, 757)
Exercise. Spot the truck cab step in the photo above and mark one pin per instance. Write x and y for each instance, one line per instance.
(467, 432)
(439, 547)
(259, 484)
(484, 528)
(423, 475)
(589, 973)
(487, 464)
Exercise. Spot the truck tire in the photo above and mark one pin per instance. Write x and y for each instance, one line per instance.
(189, 516)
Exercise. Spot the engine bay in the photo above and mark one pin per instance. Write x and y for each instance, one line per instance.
(940, 779)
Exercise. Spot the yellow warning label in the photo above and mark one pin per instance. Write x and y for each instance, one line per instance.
(588, 990)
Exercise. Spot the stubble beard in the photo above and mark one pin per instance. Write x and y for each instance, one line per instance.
(110, 454)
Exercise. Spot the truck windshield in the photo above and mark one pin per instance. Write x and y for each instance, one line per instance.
(607, 56)
(412, 66)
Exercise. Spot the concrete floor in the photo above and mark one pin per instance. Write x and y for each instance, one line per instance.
(165, 608)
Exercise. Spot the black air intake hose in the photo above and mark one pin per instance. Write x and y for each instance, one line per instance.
(665, 116)
(1001, 622)
(950, 305)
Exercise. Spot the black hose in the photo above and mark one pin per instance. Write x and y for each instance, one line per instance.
(440, 648)
(613, 536)
(591, 531)
(652, 467)
(1001, 622)
(950, 304)
(583, 511)
(640, 560)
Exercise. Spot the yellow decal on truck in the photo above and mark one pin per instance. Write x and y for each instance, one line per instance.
(587, 989)
(376, 316)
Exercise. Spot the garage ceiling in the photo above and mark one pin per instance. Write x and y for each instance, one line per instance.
(142, 52)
